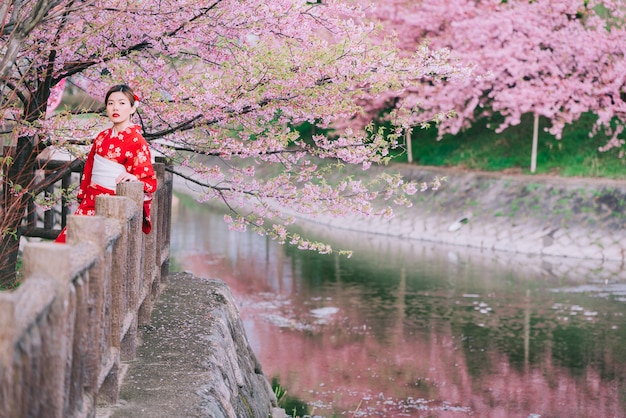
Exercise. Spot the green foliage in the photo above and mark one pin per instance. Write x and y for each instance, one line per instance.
(480, 148)
(293, 406)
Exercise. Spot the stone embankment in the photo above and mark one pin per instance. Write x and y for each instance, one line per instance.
(546, 215)
(574, 226)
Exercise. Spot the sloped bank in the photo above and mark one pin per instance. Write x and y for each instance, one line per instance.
(572, 224)
(568, 217)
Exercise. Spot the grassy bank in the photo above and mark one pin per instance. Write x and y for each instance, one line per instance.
(480, 148)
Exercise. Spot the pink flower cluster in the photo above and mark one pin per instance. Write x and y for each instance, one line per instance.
(554, 58)
(229, 82)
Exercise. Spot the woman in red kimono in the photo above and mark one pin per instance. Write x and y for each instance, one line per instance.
(118, 154)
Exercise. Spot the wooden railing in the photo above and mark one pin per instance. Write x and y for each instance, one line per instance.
(66, 331)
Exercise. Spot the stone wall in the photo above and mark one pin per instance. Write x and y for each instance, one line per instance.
(574, 226)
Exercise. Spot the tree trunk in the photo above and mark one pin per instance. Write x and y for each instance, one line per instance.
(18, 177)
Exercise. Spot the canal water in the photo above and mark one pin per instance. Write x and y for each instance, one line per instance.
(412, 329)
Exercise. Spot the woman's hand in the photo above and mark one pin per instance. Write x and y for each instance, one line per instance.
(125, 177)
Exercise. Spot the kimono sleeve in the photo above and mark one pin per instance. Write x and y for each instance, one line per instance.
(142, 166)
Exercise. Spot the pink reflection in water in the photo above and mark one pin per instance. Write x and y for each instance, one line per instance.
(339, 365)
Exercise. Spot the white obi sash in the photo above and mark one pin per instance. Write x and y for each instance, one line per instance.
(105, 172)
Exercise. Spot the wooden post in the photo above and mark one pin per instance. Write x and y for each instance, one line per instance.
(116, 207)
(166, 185)
(87, 234)
(533, 157)
(126, 257)
(409, 145)
(150, 289)
(8, 385)
(49, 264)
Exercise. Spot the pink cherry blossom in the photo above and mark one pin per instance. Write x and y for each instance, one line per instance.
(554, 58)
(222, 85)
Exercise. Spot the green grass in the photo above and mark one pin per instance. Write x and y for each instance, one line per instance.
(293, 406)
(480, 148)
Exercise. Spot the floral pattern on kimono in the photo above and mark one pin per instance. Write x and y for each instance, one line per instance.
(128, 148)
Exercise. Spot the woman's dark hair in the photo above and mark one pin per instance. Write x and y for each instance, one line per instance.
(122, 88)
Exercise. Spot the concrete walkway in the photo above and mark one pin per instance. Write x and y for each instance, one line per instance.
(191, 359)
(164, 378)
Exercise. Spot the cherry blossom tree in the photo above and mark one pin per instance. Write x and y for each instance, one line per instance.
(555, 59)
(227, 80)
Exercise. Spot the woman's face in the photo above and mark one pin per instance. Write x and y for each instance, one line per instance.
(119, 109)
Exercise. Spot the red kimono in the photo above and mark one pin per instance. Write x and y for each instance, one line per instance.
(129, 150)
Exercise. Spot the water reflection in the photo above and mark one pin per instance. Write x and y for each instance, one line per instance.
(409, 329)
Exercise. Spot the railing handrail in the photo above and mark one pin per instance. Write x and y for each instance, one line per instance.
(74, 319)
